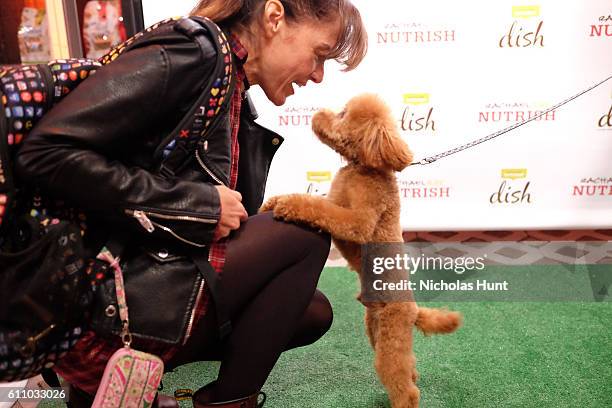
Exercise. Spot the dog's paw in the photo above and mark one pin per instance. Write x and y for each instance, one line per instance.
(287, 207)
(322, 121)
(269, 204)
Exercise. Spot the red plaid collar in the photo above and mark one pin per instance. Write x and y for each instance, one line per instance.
(238, 49)
(241, 55)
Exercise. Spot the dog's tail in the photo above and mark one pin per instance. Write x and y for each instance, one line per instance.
(437, 321)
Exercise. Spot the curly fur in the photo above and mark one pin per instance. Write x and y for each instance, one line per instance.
(365, 134)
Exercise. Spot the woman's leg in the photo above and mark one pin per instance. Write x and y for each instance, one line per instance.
(315, 322)
(269, 279)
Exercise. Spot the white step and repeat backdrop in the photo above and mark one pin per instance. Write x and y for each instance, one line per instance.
(456, 71)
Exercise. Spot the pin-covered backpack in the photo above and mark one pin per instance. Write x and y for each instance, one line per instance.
(46, 284)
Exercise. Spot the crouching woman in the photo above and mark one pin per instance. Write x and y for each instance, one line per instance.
(99, 149)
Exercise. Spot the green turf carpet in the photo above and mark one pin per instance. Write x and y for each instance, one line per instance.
(507, 354)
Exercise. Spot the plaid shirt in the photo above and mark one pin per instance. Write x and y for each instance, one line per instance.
(84, 365)
(217, 250)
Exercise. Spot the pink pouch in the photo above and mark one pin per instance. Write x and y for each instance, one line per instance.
(131, 377)
(130, 380)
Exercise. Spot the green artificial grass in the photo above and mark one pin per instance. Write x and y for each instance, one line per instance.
(507, 354)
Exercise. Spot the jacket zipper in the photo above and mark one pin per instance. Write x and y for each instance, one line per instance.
(143, 220)
(147, 224)
(206, 169)
(193, 309)
(142, 215)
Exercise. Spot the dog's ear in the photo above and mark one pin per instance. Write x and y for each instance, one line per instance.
(381, 144)
(383, 147)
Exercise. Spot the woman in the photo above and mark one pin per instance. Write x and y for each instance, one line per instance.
(97, 148)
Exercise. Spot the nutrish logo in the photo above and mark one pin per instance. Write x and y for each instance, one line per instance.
(603, 27)
(514, 112)
(414, 34)
(418, 113)
(513, 189)
(431, 189)
(593, 187)
(297, 116)
(526, 29)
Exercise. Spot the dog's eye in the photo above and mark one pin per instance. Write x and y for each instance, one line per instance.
(341, 114)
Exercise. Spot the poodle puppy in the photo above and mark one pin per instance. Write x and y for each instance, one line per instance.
(355, 213)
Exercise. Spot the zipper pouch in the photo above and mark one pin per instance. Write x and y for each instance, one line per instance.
(130, 380)
(131, 377)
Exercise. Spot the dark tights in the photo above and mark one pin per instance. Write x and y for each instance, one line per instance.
(270, 279)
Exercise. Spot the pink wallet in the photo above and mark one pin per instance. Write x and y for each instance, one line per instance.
(131, 377)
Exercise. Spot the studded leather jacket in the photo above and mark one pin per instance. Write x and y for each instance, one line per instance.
(101, 149)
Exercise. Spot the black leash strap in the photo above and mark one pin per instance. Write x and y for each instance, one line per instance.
(458, 149)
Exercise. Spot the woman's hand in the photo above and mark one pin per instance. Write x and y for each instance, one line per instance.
(232, 212)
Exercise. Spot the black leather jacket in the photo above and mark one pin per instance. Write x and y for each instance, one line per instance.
(100, 148)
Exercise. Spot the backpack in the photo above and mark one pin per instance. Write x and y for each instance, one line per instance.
(46, 284)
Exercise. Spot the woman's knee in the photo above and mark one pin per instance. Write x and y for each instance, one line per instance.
(316, 321)
(319, 243)
(323, 312)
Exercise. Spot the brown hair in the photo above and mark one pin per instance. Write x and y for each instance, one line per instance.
(352, 44)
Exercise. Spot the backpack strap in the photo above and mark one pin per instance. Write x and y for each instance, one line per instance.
(194, 126)
(7, 187)
(176, 149)
(182, 142)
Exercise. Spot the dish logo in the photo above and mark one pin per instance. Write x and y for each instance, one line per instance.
(418, 114)
(525, 33)
(605, 121)
(319, 182)
(513, 191)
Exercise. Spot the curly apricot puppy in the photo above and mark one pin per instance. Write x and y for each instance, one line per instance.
(365, 134)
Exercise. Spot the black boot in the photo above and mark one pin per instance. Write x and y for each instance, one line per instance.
(201, 399)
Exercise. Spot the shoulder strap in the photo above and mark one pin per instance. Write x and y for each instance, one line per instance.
(215, 289)
(182, 142)
(7, 187)
(178, 146)
(193, 128)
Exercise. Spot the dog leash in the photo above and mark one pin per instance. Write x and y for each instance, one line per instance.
(458, 149)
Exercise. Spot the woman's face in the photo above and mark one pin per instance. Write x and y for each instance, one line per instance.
(292, 55)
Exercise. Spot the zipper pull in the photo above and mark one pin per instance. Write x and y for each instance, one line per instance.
(144, 220)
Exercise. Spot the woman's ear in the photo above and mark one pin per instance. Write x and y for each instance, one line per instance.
(273, 17)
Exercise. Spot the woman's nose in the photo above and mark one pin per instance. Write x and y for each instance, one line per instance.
(317, 74)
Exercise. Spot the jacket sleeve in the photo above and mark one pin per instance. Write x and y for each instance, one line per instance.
(75, 151)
